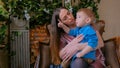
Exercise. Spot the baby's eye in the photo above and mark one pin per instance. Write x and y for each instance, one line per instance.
(65, 18)
(79, 17)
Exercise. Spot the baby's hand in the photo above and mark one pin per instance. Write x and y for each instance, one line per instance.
(79, 54)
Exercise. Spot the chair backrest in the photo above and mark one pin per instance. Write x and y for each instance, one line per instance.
(100, 25)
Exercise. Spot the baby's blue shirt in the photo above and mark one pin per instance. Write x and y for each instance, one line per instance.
(89, 36)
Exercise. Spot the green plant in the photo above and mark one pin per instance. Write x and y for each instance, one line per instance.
(3, 29)
(44, 13)
(36, 11)
(39, 12)
(91, 4)
(4, 15)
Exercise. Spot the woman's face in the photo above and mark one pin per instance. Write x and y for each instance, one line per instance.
(66, 17)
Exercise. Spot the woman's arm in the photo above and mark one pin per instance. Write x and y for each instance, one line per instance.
(100, 40)
(71, 48)
(74, 46)
(64, 27)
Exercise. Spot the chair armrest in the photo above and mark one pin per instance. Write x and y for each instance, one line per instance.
(110, 53)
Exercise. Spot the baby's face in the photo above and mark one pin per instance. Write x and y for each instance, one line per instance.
(81, 18)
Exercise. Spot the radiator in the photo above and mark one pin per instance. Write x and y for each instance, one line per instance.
(20, 45)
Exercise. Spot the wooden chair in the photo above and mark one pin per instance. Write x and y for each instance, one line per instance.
(111, 50)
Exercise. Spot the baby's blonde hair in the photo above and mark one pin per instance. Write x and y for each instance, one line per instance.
(89, 13)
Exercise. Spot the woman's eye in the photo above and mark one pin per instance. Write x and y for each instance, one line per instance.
(64, 18)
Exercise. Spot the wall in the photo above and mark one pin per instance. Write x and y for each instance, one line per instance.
(109, 11)
(37, 35)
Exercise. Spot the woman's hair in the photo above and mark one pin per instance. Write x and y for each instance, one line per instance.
(56, 32)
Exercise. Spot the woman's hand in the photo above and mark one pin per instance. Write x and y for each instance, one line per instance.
(77, 39)
(60, 24)
(70, 52)
(71, 48)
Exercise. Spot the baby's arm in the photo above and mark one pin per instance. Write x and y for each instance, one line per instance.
(64, 27)
(92, 41)
(84, 51)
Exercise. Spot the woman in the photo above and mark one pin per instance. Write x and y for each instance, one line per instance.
(64, 46)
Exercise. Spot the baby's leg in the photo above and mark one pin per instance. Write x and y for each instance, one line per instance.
(79, 63)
